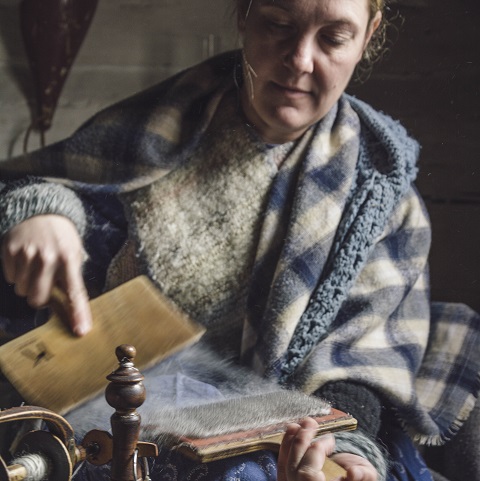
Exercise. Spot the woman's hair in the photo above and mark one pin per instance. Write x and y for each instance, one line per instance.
(376, 45)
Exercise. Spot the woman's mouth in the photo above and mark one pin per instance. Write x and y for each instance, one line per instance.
(291, 91)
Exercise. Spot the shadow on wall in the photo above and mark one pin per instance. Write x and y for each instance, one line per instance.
(16, 58)
(15, 61)
(430, 81)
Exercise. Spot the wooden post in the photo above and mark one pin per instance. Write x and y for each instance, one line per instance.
(125, 393)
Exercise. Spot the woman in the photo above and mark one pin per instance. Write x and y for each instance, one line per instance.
(277, 211)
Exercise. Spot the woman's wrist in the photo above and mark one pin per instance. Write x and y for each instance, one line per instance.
(357, 442)
(356, 399)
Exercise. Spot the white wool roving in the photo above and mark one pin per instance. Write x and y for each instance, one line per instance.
(165, 425)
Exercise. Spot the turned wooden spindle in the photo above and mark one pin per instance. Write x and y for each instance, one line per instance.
(125, 393)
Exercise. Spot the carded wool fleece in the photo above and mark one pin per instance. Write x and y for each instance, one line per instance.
(235, 415)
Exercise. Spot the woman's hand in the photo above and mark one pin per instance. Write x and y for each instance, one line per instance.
(358, 468)
(46, 251)
(300, 459)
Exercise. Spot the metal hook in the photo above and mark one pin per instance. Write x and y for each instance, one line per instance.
(146, 471)
(135, 459)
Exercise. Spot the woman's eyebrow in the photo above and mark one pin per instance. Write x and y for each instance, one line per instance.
(342, 23)
(286, 6)
(276, 4)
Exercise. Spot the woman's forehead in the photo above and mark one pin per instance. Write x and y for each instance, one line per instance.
(334, 9)
(313, 4)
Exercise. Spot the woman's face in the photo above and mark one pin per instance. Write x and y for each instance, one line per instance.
(299, 56)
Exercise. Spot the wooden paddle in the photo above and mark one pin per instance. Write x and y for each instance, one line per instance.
(52, 368)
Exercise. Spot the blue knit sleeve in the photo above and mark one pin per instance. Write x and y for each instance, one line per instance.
(30, 196)
(106, 235)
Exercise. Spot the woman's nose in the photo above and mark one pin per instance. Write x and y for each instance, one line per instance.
(300, 57)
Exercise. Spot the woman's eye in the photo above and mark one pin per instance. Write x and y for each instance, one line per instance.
(279, 25)
(334, 40)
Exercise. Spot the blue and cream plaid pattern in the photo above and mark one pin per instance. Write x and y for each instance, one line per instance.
(339, 288)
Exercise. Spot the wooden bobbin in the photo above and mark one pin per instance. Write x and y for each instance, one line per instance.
(125, 393)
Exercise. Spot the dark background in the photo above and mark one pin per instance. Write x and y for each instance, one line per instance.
(429, 79)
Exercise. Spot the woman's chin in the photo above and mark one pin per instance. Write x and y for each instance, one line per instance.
(285, 130)
(280, 124)
(292, 121)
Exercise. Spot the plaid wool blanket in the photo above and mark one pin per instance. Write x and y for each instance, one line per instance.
(337, 283)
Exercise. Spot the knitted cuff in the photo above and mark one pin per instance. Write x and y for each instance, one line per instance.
(358, 400)
(30, 199)
(358, 443)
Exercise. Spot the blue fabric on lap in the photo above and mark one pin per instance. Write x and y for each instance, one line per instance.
(172, 466)
(407, 463)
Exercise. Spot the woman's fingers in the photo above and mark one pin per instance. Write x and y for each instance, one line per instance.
(11, 262)
(35, 274)
(301, 458)
(80, 317)
(358, 468)
(284, 452)
(310, 467)
(41, 253)
(22, 263)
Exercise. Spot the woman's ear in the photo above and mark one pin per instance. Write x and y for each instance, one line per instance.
(373, 25)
